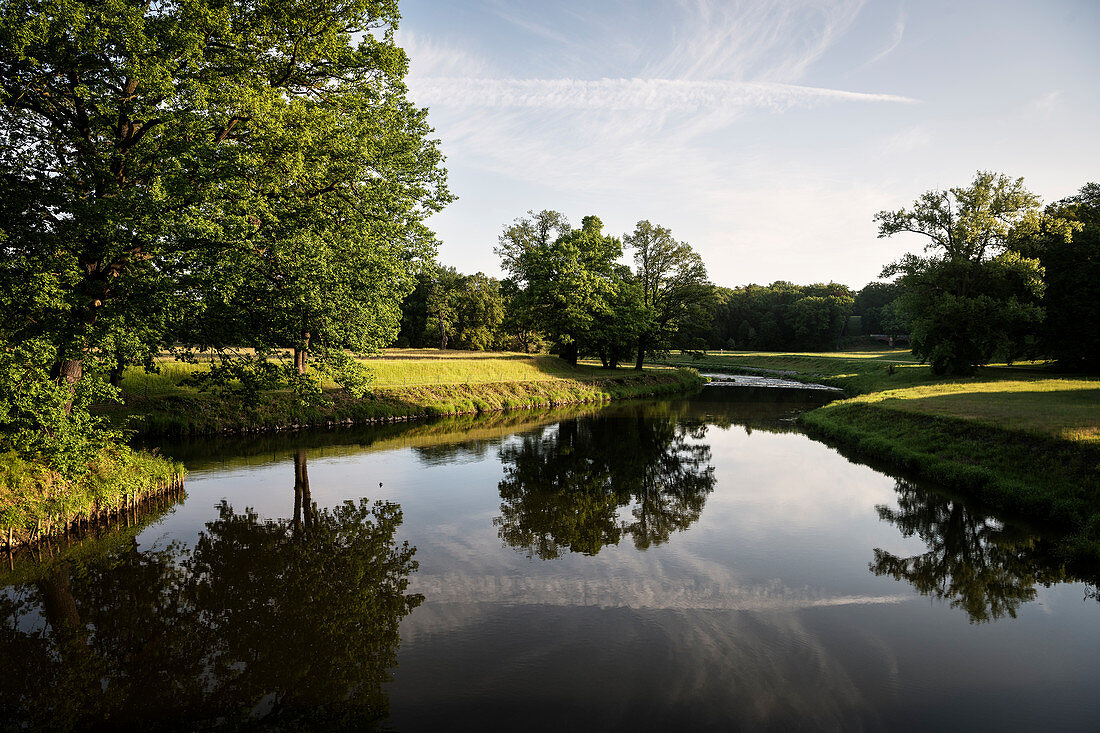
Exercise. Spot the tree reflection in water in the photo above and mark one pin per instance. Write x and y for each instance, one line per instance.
(563, 487)
(270, 624)
(974, 561)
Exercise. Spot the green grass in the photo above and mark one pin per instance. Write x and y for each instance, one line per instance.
(1020, 397)
(37, 502)
(1061, 408)
(453, 383)
(398, 368)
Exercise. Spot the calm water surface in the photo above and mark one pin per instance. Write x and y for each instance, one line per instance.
(689, 564)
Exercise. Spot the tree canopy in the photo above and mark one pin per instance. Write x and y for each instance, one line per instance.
(254, 171)
(675, 293)
(972, 298)
(565, 277)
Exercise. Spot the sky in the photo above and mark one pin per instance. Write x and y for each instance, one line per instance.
(766, 134)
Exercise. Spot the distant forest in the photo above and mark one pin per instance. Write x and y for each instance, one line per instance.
(1003, 279)
(455, 311)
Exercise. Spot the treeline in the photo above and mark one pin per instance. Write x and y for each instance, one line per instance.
(449, 310)
(818, 317)
(568, 291)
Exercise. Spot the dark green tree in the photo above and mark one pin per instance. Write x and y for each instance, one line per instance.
(971, 299)
(1072, 270)
(564, 277)
(674, 288)
(266, 148)
(869, 304)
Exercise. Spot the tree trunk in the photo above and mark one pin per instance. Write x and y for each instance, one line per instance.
(569, 353)
(301, 354)
(117, 371)
(641, 355)
(442, 335)
(70, 371)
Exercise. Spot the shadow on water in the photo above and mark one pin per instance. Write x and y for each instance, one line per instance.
(260, 624)
(431, 436)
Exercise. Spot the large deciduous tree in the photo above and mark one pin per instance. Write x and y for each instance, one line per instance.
(970, 299)
(674, 286)
(262, 153)
(564, 277)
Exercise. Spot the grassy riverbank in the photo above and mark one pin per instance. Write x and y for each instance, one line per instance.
(36, 502)
(409, 384)
(1015, 436)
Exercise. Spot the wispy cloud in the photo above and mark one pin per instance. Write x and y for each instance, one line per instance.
(433, 57)
(661, 137)
(895, 41)
(768, 41)
(1048, 101)
(630, 94)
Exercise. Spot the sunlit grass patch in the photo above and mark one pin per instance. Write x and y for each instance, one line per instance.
(401, 368)
(413, 367)
(1066, 408)
(167, 381)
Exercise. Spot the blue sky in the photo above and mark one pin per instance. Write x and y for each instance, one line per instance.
(765, 134)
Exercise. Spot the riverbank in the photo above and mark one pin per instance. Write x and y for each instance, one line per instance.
(1018, 438)
(407, 387)
(36, 503)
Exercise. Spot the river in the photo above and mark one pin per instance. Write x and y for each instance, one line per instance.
(691, 564)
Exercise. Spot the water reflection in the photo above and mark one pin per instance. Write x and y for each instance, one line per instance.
(563, 486)
(974, 561)
(260, 623)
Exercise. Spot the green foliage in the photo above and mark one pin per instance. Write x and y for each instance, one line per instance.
(246, 175)
(991, 319)
(1072, 267)
(469, 309)
(968, 223)
(971, 300)
(35, 500)
(876, 305)
(780, 316)
(676, 297)
(623, 320)
(564, 278)
(41, 418)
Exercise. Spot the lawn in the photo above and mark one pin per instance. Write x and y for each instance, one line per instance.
(399, 368)
(1060, 408)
